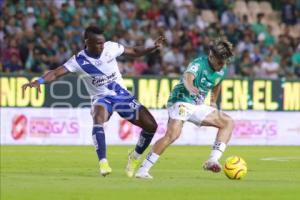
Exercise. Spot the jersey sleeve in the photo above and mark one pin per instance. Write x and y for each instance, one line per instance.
(71, 65)
(193, 68)
(116, 48)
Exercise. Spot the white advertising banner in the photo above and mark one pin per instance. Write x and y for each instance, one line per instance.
(42, 126)
(63, 126)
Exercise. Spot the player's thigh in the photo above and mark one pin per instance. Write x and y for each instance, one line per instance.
(174, 128)
(217, 119)
(181, 111)
(200, 113)
(145, 120)
(100, 114)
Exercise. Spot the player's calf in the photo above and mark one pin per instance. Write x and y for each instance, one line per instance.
(100, 145)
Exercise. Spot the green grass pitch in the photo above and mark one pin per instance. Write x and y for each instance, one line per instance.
(71, 172)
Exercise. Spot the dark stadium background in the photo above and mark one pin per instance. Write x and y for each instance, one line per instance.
(46, 148)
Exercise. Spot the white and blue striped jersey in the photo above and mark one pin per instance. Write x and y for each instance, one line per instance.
(101, 75)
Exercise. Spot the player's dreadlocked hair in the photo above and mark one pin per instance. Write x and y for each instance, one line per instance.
(92, 30)
(222, 49)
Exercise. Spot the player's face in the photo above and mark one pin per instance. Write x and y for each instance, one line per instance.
(95, 43)
(217, 64)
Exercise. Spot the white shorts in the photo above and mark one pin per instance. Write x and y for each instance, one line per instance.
(189, 112)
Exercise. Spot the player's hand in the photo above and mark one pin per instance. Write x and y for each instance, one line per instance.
(160, 41)
(193, 90)
(33, 84)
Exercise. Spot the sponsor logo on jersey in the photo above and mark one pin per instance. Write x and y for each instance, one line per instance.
(182, 110)
(203, 80)
(193, 67)
(103, 79)
(85, 62)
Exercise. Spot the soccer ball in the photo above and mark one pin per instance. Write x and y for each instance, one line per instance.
(235, 167)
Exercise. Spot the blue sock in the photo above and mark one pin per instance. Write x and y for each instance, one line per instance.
(144, 141)
(99, 141)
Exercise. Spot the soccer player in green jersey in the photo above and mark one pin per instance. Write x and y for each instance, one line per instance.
(186, 103)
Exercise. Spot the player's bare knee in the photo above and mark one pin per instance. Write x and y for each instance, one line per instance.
(151, 127)
(231, 123)
(98, 119)
(228, 122)
(221, 121)
(154, 127)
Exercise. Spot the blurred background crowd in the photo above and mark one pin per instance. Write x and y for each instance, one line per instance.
(40, 35)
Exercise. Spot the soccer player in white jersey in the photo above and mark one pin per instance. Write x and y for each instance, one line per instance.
(97, 63)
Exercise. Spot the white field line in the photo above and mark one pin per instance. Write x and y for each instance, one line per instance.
(280, 159)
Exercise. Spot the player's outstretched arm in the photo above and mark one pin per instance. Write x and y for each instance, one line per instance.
(48, 77)
(188, 81)
(141, 51)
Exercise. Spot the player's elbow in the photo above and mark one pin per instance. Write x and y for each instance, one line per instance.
(185, 83)
(188, 79)
(137, 54)
(133, 52)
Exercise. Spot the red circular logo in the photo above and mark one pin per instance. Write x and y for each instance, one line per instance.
(125, 129)
(19, 125)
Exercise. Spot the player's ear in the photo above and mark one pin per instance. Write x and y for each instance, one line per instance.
(85, 41)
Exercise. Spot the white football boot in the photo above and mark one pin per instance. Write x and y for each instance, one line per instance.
(212, 165)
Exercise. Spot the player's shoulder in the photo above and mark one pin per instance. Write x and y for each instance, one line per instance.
(110, 44)
(76, 55)
(80, 53)
(201, 59)
(73, 63)
(223, 71)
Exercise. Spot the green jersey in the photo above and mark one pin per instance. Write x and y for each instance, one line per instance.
(205, 79)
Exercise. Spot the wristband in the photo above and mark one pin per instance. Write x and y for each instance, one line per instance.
(41, 80)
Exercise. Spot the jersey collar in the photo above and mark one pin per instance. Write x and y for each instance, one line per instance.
(92, 55)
